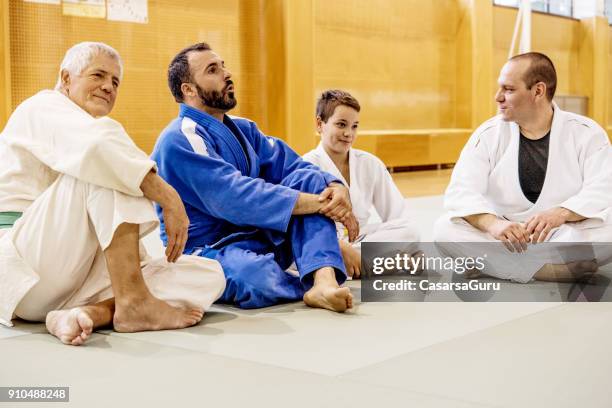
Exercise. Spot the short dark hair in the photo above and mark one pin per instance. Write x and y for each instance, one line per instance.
(330, 99)
(179, 72)
(541, 69)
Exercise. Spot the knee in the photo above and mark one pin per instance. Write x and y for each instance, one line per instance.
(443, 230)
(568, 233)
(306, 181)
(408, 232)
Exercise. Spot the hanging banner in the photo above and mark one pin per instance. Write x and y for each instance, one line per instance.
(131, 11)
(84, 8)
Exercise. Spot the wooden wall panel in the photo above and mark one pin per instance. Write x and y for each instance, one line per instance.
(413, 65)
(397, 57)
(40, 35)
(609, 127)
(557, 37)
(5, 65)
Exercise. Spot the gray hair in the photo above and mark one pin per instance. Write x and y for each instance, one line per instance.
(79, 56)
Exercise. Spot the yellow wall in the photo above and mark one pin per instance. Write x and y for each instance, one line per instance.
(424, 72)
(609, 127)
(40, 35)
(397, 57)
(554, 36)
(5, 65)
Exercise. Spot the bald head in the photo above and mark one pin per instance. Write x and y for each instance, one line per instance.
(537, 68)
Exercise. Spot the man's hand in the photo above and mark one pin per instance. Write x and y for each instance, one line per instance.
(336, 202)
(175, 217)
(177, 224)
(512, 234)
(539, 225)
(352, 259)
(352, 226)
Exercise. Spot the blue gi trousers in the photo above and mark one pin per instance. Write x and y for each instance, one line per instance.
(255, 267)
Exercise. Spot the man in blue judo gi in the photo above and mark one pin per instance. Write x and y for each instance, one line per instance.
(254, 205)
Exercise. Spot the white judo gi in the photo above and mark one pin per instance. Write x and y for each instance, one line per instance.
(486, 180)
(77, 178)
(371, 188)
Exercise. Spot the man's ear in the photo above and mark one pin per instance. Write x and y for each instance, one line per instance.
(188, 89)
(65, 77)
(540, 89)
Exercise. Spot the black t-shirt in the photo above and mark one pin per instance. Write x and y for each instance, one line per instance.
(533, 159)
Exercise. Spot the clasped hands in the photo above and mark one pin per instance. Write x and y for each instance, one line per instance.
(515, 236)
(337, 206)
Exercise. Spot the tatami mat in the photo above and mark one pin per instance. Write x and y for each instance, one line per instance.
(380, 354)
(556, 358)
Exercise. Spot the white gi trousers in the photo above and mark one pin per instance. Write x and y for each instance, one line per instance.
(454, 239)
(61, 238)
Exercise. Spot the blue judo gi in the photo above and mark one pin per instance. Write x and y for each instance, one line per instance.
(239, 188)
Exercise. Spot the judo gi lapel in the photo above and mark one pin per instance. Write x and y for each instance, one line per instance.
(555, 159)
(248, 153)
(329, 164)
(223, 136)
(512, 161)
(553, 156)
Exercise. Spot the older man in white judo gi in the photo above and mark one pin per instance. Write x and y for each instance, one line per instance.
(75, 198)
(531, 174)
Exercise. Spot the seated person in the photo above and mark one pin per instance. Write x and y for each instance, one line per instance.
(370, 184)
(532, 174)
(254, 204)
(75, 199)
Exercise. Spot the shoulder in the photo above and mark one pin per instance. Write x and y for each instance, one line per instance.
(368, 159)
(312, 156)
(244, 124)
(41, 102)
(583, 127)
(174, 134)
(490, 127)
(490, 133)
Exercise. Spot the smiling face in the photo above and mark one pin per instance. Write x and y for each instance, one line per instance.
(340, 131)
(515, 102)
(94, 89)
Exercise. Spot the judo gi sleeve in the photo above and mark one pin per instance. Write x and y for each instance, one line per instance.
(465, 194)
(70, 141)
(217, 188)
(596, 193)
(388, 200)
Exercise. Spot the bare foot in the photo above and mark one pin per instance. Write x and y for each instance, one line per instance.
(569, 272)
(72, 326)
(152, 314)
(329, 297)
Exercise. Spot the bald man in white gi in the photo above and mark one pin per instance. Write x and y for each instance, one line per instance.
(531, 174)
(75, 198)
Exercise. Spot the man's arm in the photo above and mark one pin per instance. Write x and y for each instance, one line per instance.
(312, 204)
(513, 234)
(175, 218)
(466, 192)
(541, 223)
(307, 204)
(216, 188)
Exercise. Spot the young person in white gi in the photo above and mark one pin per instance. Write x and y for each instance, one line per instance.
(532, 174)
(365, 175)
(75, 198)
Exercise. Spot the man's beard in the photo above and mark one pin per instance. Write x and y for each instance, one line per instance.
(218, 100)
